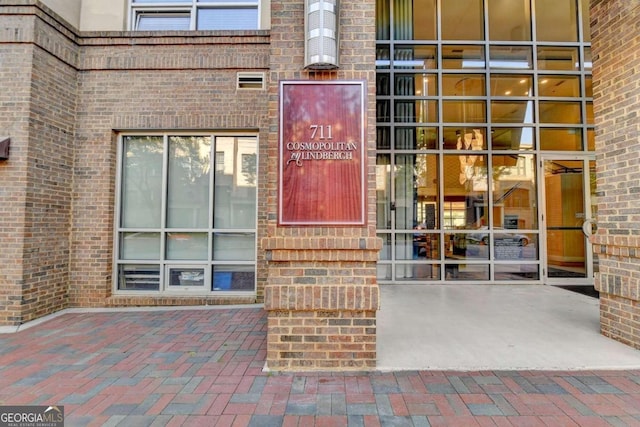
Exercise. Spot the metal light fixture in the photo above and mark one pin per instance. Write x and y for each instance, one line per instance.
(321, 34)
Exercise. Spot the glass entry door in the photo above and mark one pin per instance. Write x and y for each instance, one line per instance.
(568, 218)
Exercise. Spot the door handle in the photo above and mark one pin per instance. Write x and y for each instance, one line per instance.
(589, 227)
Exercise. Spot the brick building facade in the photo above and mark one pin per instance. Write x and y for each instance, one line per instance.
(69, 96)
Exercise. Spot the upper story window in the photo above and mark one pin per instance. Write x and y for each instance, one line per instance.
(155, 15)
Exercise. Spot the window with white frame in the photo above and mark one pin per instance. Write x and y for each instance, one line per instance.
(156, 15)
(186, 213)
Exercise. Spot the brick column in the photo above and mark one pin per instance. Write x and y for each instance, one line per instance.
(617, 110)
(321, 293)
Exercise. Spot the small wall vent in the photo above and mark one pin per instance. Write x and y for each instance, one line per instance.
(250, 80)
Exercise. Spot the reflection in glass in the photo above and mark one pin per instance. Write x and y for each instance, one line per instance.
(383, 20)
(383, 271)
(425, 245)
(462, 20)
(561, 86)
(383, 191)
(513, 138)
(413, 272)
(556, 20)
(233, 278)
(466, 272)
(511, 57)
(509, 20)
(512, 111)
(187, 246)
(464, 111)
(415, 57)
(234, 246)
(416, 111)
(185, 277)
(140, 246)
(383, 110)
(188, 182)
(463, 246)
(560, 112)
(561, 139)
(517, 272)
(465, 189)
(456, 138)
(141, 181)
(463, 85)
(591, 140)
(138, 277)
(514, 193)
(383, 57)
(558, 58)
(236, 170)
(564, 185)
(383, 138)
(514, 246)
(463, 57)
(385, 252)
(416, 192)
(383, 84)
(416, 84)
(588, 64)
(511, 85)
(416, 138)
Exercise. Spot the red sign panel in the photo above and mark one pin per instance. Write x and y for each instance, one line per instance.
(322, 153)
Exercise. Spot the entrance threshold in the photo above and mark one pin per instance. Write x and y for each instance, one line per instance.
(494, 327)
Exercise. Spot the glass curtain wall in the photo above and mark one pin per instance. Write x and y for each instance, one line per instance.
(469, 94)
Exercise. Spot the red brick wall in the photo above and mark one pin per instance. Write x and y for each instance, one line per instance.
(37, 110)
(322, 293)
(617, 111)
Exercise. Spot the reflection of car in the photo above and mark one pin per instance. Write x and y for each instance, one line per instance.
(500, 237)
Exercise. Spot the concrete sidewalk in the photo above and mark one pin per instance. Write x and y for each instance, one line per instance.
(204, 367)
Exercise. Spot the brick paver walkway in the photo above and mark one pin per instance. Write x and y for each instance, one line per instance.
(204, 367)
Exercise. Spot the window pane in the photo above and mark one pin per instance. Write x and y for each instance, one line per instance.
(512, 138)
(156, 21)
(455, 272)
(509, 20)
(558, 58)
(588, 87)
(424, 245)
(511, 85)
(517, 272)
(186, 277)
(415, 85)
(590, 117)
(187, 246)
(233, 278)
(188, 182)
(462, 20)
(416, 193)
(514, 246)
(383, 191)
(234, 247)
(138, 277)
(141, 182)
(463, 85)
(416, 111)
(416, 272)
(235, 182)
(511, 57)
(562, 86)
(586, 27)
(416, 138)
(514, 194)
(591, 140)
(228, 19)
(560, 112)
(383, 84)
(140, 246)
(463, 57)
(459, 138)
(556, 20)
(383, 20)
(385, 252)
(162, 1)
(464, 111)
(587, 59)
(424, 18)
(415, 57)
(465, 190)
(383, 56)
(561, 139)
(383, 138)
(512, 111)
